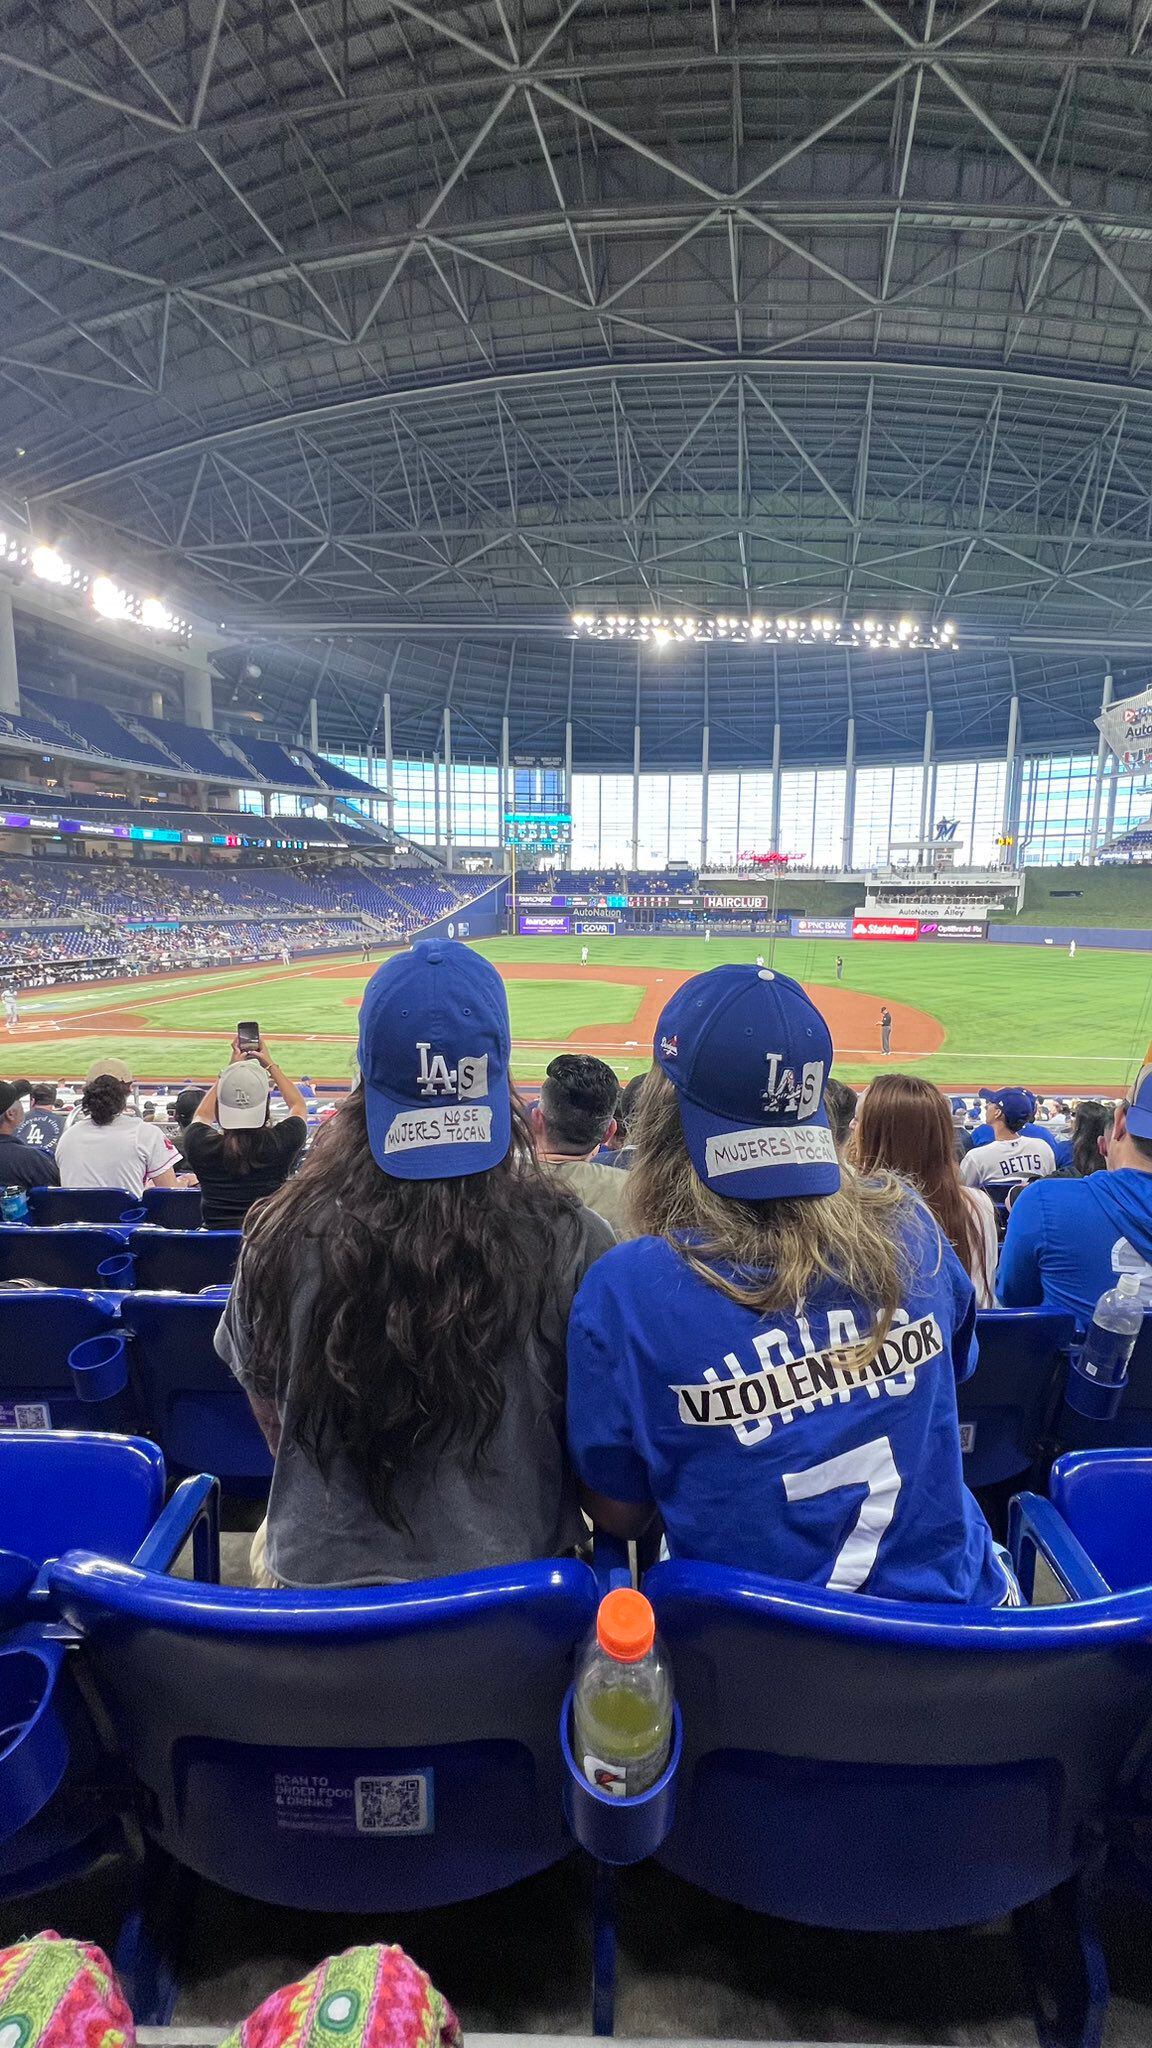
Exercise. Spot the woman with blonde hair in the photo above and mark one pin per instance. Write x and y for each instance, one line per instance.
(904, 1126)
(772, 1363)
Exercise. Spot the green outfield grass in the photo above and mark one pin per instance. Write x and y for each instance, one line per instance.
(1026, 1013)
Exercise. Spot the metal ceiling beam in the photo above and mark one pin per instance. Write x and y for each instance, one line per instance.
(1060, 385)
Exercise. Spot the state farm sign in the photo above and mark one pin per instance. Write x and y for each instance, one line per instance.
(885, 928)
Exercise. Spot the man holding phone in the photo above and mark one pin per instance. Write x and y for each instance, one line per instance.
(239, 1156)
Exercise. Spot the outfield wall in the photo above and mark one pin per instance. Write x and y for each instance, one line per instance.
(1117, 937)
(484, 918)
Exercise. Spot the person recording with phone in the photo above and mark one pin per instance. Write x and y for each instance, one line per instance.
(239, 1156)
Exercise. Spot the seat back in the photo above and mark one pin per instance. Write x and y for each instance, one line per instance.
(879, 1765)
(192, 1404)
(1106, 1499)
(379, 1750)
(184, 1260)
(59, 1490)
(62, 1255)
(173, 1208)
(38, 1329)
(81, 1205)
(1132, 1423)
(1008, 1406)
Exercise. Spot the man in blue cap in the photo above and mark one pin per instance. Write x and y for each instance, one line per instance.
(989, 1132)
(1070, 1240)
(1018, 1149)
(773, 1364)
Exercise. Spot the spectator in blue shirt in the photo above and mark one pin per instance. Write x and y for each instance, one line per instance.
(773, 1364)
(1069, 1240)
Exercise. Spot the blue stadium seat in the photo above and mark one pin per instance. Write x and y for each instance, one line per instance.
(380, 1750)
(39, 1327)
(1132, 1424)
(64, 1489)
(65, 1799)
(1105, 1497)
(184, 1260)
(64, 1255)
(81, 1205)
(172, 1208)
(189, 1400)
(1008, 1407)
(886, 1767)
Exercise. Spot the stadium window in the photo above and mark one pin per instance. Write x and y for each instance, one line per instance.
(475, 804)
(615, 821)
(829, 796)
(684, 798)
(797, 815)
(652, 837)
(755, 821)
(585, 821)
(723, 846)
(872, 820)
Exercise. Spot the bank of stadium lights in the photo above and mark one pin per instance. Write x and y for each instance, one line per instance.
(110, 600)
(662, 629)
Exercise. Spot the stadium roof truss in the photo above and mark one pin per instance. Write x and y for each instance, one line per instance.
(360, 321)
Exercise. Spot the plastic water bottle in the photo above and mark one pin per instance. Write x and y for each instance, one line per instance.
(623, 1699)
(14, 1205)
(1100, 1374)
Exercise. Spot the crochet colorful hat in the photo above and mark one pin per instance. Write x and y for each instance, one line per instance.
(365, 1998)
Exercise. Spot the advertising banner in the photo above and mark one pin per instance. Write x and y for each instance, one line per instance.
(591, 928)
(545, 927)
(1127, 727)
(821, 927)
(954, 929)
(885, 928)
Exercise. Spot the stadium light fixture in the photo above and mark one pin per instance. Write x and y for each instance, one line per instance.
(822, 629)
(113, 601)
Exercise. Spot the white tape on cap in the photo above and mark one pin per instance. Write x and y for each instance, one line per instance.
(768, 1148)
(419, 1130)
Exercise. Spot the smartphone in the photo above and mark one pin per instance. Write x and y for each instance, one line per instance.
(248, 1036)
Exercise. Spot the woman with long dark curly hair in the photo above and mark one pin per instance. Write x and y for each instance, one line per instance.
(400, 1311)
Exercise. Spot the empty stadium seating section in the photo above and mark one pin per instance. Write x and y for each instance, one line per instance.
(162, 745)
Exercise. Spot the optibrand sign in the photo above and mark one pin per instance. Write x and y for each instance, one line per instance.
(933, 929)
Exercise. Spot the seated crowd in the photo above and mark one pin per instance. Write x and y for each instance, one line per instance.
(713, 1306)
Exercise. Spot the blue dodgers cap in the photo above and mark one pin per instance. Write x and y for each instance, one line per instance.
(748, 1053)
(1139, 1116)
(434, 1050)
(1018, 1104)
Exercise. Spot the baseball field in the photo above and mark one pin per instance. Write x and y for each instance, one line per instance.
(962, 1014)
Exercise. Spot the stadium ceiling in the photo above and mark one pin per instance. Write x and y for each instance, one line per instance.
(368, 324)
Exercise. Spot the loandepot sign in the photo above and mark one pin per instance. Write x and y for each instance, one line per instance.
(1127, 726)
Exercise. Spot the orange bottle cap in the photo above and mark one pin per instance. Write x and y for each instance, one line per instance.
(626, 1625)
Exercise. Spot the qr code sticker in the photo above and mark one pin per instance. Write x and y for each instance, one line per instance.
(25, 1415)
(967, 1438)
(393, 1806)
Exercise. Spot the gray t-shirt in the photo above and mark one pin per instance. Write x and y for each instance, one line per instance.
(519, 1503)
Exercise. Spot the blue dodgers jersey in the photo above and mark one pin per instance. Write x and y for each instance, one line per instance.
(766, 1444)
